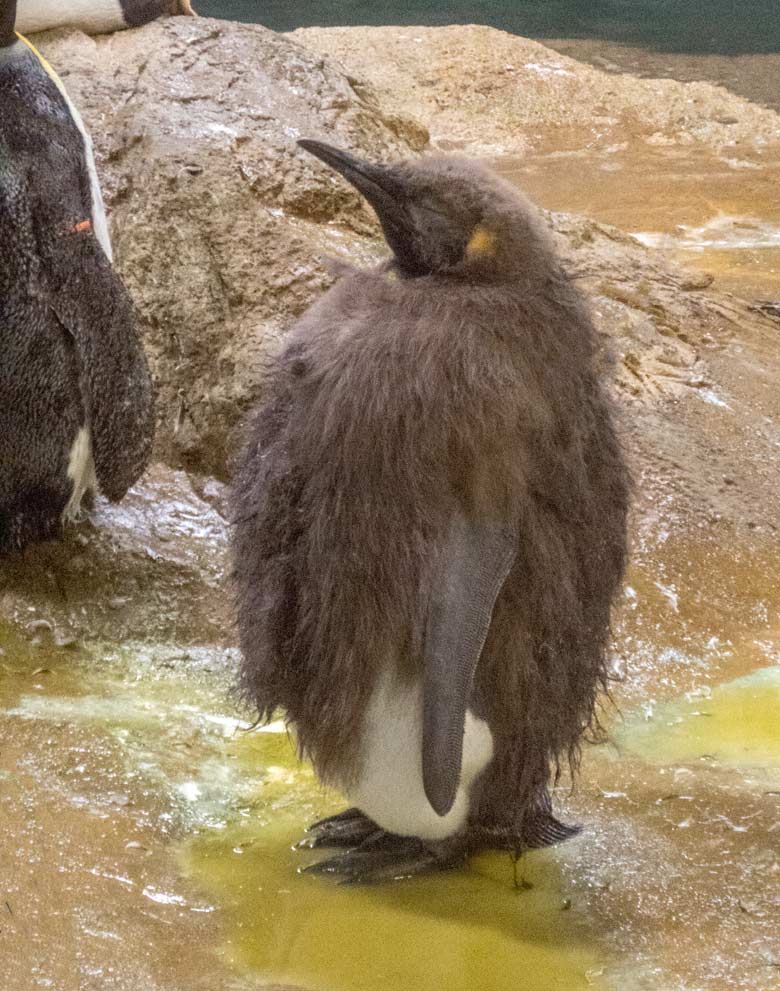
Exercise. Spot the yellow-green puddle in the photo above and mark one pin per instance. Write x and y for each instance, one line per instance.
(230, 804)
(467, 929)
(736, 725)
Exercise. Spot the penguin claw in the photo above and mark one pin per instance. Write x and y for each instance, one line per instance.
(345, 835)
(541, 830)
(383, 857)
(348, 815)
(346, 829)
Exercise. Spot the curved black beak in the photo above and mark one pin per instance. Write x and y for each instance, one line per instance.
(386, 193)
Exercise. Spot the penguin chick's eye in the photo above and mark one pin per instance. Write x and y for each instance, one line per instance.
(481, 242)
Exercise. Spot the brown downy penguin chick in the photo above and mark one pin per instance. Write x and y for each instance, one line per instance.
(430, 527)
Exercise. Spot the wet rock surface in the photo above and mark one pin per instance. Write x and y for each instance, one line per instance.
(220, 224)
(217, 220)
(751, 76)
(146, 835)
(149, 569)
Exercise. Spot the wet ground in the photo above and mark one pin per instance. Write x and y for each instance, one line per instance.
(716, 211)
(147, 833)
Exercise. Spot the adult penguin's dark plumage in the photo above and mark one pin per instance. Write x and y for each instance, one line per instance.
(430, 527)
(76, 409)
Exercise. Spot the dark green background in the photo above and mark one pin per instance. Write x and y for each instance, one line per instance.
(696, 26)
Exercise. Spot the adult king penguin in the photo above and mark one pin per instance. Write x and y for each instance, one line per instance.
(430, 527)
(94, 16)
(76, 409)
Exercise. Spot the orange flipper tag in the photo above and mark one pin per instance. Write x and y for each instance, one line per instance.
(82, 225)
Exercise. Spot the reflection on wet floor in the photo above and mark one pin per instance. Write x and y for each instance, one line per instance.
(735, 725)
(679, 854)
(87, 772)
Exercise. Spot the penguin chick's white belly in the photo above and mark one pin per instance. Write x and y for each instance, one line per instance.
(90, 15)
(390, 787)
(81, 471)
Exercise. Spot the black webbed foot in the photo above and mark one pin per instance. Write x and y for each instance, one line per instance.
(539, 830)
(345, 829)
(548, 831)
(373, 855)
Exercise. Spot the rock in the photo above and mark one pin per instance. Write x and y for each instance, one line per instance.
(495, 93)
(767, 306)
(218, 224)
(217, 221)
(150, 570)
(753, 76)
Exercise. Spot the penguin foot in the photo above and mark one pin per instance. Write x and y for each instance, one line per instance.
(540, 830)
(345, 829)
(383, 857)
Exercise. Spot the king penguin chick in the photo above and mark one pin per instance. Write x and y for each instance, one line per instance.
(430, 527)
(94, 16)
(77, 408)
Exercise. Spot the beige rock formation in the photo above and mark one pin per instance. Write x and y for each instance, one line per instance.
(217, 221)
(219, 224)
(488, 92)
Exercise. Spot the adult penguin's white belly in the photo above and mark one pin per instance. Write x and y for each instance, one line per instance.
(93, 16)
(81, 472)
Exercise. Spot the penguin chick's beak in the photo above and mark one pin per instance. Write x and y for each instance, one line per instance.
(386, 194)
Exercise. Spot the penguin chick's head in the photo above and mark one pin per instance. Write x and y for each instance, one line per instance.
(447, 216)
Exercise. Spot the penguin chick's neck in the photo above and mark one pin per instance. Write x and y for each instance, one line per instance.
(7, 23)
(389, 787)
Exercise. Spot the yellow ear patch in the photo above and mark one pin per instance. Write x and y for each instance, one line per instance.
(482, 242)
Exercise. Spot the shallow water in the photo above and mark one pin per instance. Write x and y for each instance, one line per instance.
(721, 26)
(97, 749)
(154, 833)
(736, 724)
(461, 930)
(719, 212)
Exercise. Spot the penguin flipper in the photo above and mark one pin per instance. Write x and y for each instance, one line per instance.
(91, 303)
(473, 566)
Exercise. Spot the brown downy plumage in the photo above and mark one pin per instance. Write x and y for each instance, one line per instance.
(431, 513)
